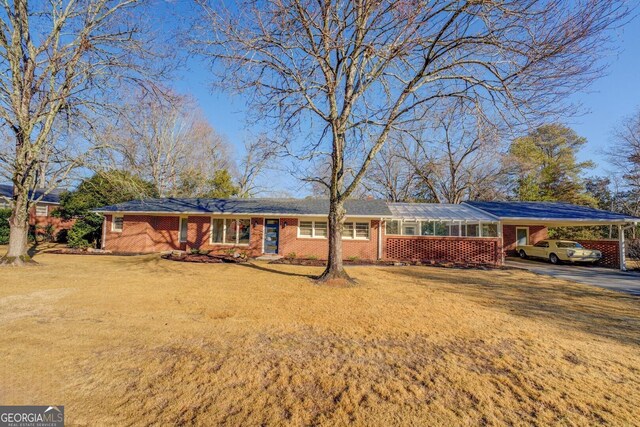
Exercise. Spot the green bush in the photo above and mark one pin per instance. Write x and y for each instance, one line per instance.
(86, 232)
(4, 226)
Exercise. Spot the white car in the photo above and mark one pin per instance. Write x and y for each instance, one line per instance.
(559, 250)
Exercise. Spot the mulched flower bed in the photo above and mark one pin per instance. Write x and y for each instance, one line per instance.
(73, 251)
(203, 258)
(323, 263)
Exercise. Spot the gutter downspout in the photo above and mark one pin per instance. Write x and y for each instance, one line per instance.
(104, 232)
(380, 239)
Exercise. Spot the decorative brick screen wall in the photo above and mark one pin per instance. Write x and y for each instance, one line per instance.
(610, 251)
(444, 249)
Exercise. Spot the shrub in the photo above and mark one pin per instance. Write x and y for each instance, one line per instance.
(633, 248)
(354, 258)
(312, 257)
(4, 226)
(61, 236)
(291, 255)
(86, 232)
(44, 233)
(200, 252)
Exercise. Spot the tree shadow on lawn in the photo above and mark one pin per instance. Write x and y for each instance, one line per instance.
(567, 305)
(276, 271)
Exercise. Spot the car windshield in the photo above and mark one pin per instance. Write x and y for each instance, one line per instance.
(569, 245)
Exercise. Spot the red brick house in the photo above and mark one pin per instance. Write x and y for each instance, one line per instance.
(474, 232)
(40, 215)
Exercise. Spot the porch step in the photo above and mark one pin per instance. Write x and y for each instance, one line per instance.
(268, 257)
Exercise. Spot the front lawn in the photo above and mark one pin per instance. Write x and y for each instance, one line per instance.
(141, 340)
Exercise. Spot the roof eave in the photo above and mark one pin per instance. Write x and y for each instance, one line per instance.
(249, 214)
(566, 221)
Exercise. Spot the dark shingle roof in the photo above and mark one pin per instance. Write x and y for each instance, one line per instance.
(369, 208)
(548, 211)
(6, 190)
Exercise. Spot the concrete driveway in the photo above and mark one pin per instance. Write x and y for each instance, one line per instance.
(615, 280)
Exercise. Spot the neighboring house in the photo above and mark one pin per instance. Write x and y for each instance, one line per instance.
(474, 232)
(40, 215)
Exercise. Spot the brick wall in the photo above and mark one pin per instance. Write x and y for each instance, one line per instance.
(41, 222)
(148, 233)
(143, 234)
(289, 243)
(536, 233)
(444, 249)
(151, 233)
(610, 251)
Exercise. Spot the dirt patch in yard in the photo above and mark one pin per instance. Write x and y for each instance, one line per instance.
(141, 341)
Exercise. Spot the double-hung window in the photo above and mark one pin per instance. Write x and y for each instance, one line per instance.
(355, 231)
(230, 231)
(117, 223)
(42, 210)
(312, 229)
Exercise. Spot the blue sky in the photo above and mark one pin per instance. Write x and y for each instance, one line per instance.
(607, 101)
(612, 97)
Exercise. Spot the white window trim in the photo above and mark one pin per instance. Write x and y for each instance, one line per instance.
(113, 223)
(313, 230)
(224, 232)
(353, 236)
(46, 210)
(186, 219)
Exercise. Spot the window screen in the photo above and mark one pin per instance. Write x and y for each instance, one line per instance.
(231, 231)
(393, 227)
(362, 230)
(42, 210)
(244, 225)
(183, 229)
(347, 232)
(217, 230)
(306, 228)
(320, 229)
(117, 223)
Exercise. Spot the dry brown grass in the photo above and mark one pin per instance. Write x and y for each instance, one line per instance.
(140, 340)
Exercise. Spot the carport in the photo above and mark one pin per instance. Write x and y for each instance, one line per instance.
(528, 223)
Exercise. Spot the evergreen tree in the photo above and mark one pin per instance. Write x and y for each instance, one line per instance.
(102, 189)
(545, 166)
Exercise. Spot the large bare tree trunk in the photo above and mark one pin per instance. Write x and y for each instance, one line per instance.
(18, 231)
(335, 269)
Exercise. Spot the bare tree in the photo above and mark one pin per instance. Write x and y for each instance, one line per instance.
(167, 141)
(348, 73)
(392, 176)
(457, 156)
(60, 61)
(258, 154)
(625, 156)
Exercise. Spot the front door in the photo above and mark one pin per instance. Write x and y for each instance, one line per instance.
(522, 236)
(271, 227)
